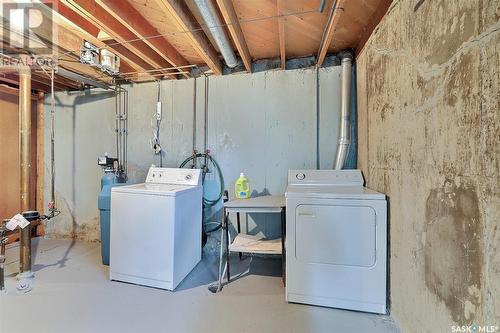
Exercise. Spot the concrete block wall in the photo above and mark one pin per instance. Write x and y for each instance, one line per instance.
(428, 105)
(262, 124)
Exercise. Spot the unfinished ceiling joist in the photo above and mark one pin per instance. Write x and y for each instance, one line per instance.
(136, 23)
(106, 22)
(331, 25)
(185, 22)
(63, 40)
(63, 14)
(157, 39)
(12, 79)
(227, 9)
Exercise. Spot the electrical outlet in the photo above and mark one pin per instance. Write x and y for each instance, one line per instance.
(158, 111)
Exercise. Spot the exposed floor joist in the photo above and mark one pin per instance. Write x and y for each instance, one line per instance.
(330, 28)
(79, 21)
(227, 9)
(136, 23)
(106, 22)
(67, 19)
(185, 22)
(62, 41)
(13, 80)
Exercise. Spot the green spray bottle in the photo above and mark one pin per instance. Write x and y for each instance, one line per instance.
(242, 187)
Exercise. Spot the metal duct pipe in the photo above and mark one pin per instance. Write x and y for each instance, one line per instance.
(215, 26)
(345, 99)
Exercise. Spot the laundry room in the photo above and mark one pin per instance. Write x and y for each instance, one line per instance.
(249, 166)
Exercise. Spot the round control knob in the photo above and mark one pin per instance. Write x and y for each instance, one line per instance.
(300, 176)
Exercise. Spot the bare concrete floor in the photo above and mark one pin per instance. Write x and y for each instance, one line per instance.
(72, 293)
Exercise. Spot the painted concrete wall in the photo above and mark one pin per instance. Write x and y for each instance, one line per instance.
(262, 124)
(429, 123)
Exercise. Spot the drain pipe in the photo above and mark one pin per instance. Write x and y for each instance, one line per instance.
(211, 17)
(345, 98)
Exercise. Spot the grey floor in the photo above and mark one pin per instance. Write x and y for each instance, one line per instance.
(72, 293)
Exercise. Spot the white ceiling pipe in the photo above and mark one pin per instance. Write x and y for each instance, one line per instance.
(214, 24)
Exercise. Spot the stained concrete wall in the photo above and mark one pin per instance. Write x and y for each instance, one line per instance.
(429, 123)
(262, 124)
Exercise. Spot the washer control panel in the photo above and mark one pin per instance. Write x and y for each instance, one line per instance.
(175, 176)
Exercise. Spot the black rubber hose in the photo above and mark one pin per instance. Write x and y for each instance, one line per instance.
(208, 202)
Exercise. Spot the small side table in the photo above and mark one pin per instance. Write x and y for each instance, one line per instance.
(244, 243)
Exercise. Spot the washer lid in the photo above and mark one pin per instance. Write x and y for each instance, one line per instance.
(332, 192)
(154, 189)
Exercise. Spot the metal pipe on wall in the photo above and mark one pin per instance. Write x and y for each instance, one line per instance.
(345, 99)
(3, 242)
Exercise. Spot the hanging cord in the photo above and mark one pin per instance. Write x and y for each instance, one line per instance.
(194, 114)
(155, 124)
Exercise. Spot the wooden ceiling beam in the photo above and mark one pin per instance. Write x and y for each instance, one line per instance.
(63, 41)
(281, 32)
(133, 20)
(142, 74)
(13, 80)
(58, 80)
(185, 22)
(73, 17)
(70, 23)
(104, 21)
(227, 9)
(46, 81)
(330, 28)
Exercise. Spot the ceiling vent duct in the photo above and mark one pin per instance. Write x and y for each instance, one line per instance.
(211, 17)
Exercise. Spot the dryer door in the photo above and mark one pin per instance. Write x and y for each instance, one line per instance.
(336, 253)
(335, 235)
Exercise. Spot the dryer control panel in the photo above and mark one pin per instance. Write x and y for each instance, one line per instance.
(325, 177)
(175, 176)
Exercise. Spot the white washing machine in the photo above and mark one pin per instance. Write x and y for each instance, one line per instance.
(336, 241)
(156, 228)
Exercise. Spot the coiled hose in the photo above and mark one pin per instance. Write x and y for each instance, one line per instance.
(207, 203)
